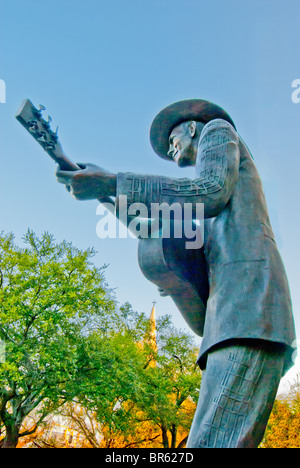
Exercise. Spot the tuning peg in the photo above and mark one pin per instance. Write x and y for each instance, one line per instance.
(42, 139)
(50, 146)
(46, 124)
(33, 126)
(53, 135)
(38, 112)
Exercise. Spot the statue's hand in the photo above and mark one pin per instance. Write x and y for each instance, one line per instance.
(88, 183)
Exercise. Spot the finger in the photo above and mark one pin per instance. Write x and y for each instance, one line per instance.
(65, 177)
(63, 180)
(71, 191)
(82, 166)
(65, 174)
(92, 167)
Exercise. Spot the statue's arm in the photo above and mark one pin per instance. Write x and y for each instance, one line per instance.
(217, 169)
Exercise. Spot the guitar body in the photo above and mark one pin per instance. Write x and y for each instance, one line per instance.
(180, 272)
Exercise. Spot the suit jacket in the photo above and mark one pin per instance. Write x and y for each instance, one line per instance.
(248, 289)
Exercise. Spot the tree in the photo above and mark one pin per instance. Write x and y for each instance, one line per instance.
(68, 346)
(151, 390)
(51, 295)
(284, 424)
(173, 385)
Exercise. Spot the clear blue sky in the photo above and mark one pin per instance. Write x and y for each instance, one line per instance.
(104, 69)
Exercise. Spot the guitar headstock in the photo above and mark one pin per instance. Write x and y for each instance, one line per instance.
(31, 118)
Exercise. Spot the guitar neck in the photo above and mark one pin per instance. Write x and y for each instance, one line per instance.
(31, 118)
(65, 163)
(39, 128)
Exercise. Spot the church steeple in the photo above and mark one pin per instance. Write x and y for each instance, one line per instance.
(152, 337)
(152, 315)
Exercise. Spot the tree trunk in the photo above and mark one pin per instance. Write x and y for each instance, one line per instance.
(11, 438)
(174, 435)
(165, 437)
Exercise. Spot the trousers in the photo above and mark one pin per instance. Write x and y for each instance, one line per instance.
(237, 393)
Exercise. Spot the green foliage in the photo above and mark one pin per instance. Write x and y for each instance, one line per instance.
(140, 383)
(66, 341)
(49, 294)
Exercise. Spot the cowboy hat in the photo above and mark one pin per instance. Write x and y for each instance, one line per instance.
(178, 112)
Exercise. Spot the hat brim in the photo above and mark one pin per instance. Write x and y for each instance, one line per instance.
(178, 112)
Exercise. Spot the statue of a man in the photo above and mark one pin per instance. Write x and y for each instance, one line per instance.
(249, 328)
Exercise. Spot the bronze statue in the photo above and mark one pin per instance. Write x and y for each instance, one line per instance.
(233, 291)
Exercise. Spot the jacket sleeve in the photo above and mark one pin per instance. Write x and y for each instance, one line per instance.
(217, 168)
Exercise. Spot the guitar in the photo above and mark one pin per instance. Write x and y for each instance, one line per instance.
(180, 273)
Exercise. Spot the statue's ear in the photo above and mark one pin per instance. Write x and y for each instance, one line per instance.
(192, 128)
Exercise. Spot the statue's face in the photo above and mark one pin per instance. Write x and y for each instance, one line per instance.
(181, 145)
